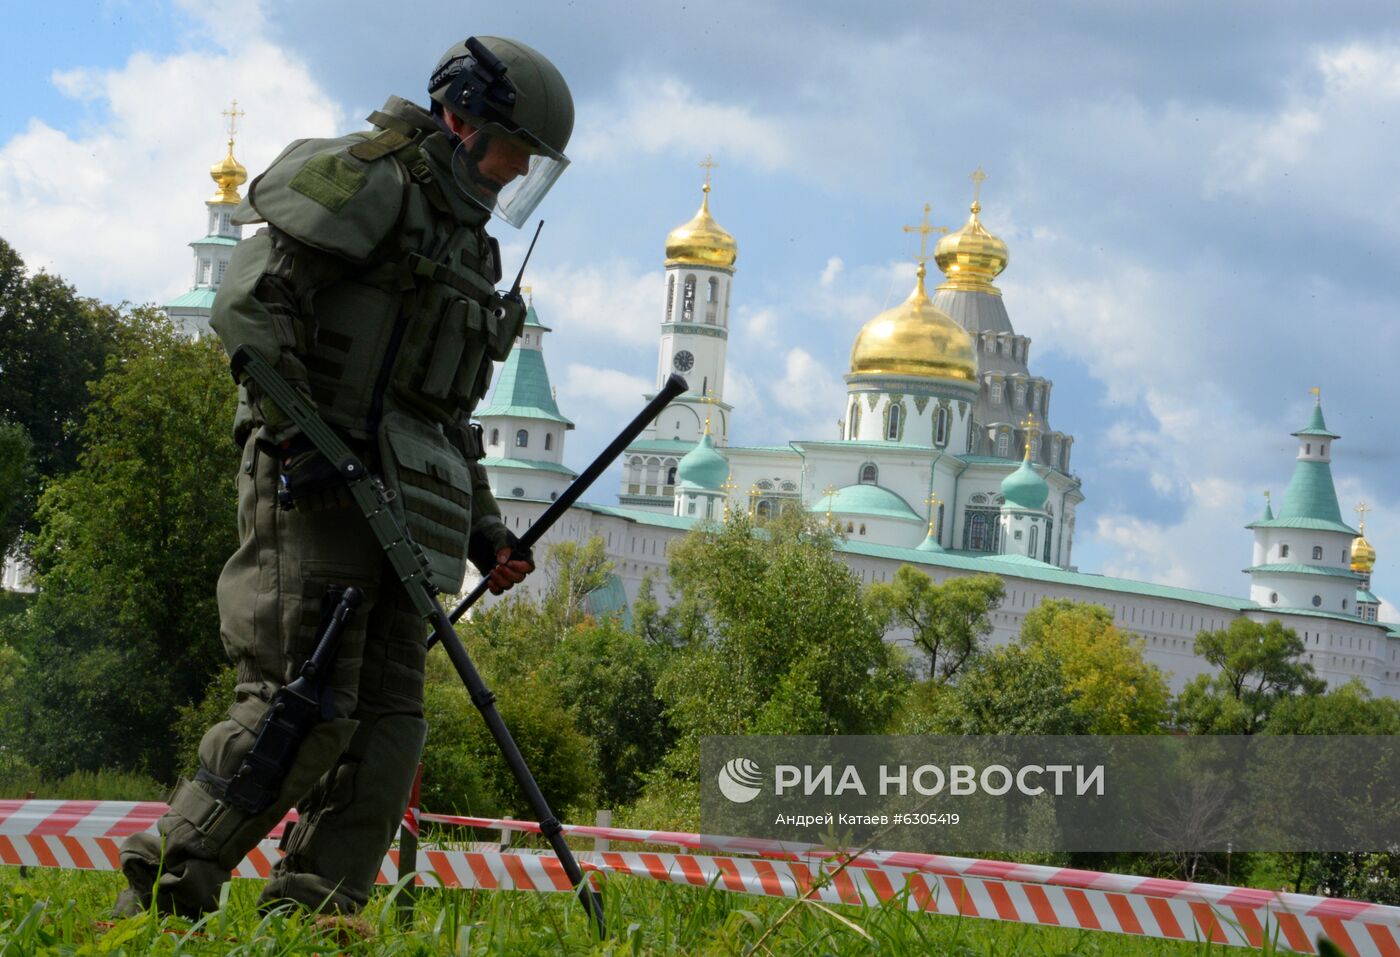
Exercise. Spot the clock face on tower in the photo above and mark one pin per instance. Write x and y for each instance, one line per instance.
(683, 361)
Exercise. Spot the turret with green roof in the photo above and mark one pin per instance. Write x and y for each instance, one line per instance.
(1302, 553)
(1310, 503)
(524, 430)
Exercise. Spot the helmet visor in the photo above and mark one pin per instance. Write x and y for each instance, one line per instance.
(504, 172)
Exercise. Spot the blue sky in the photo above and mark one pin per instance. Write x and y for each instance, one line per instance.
(1197, 197)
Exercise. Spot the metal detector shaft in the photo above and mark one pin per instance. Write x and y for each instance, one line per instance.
(673, 387)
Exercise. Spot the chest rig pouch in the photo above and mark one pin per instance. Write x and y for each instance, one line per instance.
(451, 326)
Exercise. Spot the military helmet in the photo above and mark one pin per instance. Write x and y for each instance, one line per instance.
(505, 90)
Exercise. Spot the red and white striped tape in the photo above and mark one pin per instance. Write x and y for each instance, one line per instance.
(86, 835)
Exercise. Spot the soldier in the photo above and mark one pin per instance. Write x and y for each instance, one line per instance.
(372, 290)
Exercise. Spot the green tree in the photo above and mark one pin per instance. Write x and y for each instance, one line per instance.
(1345, 709)
(125, 628)
(16, 482)
(1008, 690)
(52, 344)
(1257, 667)
(783, 641)
(606, 677)
(948, 622)
(1110, 684)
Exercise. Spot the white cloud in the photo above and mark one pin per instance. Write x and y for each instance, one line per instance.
(833, 268)
(1327, 148)
(112, 206)
(588, 387)
(664, 114)
(614, 301)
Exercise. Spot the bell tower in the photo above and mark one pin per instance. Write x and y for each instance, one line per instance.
(700, 257)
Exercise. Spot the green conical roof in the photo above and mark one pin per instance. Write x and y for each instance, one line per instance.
(1025, 487)
(523, 389)
(1311, 494)
(703, 466)
(1268, 513)
(532, 319)
(1316, 426)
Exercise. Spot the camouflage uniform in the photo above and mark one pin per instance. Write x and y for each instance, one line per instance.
(373, 290)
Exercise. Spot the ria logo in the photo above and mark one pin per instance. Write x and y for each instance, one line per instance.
(740, 780)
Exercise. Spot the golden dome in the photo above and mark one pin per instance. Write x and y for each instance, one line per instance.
(915, 338)
(1363, 555)
(702, 241)
(228, 174)
(971, 257)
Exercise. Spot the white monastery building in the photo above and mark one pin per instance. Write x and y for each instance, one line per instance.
(947, 460)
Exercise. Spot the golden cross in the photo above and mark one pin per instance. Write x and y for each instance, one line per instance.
(1361, 509)
(933, 501)
(1029, 424)
(708, 166)
(1316, 392)
(529, 291)
(840, 428)
(830, 492)
(233, 113)
(754, 493)
(924, 229)
(1268, 497)
(729, 488)
(978, 178)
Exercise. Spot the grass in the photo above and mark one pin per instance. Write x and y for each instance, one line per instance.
(62, 912)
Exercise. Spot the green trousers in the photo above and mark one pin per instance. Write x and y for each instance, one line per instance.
(351, 778)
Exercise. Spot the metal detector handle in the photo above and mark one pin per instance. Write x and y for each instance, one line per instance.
(673, 387)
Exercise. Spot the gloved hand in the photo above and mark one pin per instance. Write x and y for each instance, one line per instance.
(499, 558)
(307, 479)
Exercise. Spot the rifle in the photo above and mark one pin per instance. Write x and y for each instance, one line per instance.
(410, 565)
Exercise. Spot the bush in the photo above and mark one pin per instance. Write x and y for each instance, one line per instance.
(463, 770)
(109, 785)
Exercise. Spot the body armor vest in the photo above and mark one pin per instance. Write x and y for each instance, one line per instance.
(397, 347)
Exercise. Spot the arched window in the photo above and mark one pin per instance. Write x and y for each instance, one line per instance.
(522, 439)
(855, 418)
(518, 492)
(978, 532)
(1020, 394)
(869, 474)
(764, 509)
(1003, 445)
(1273, 597)
(711, 299)
(1317, 553)
(495, 436)
(995, 391)
(671, 475)
(1283, 551)
(670, 297)
(690, 505)
(548, 441)
(1035, 540)
(1317, 601)
(688, 299)
(893, 429)
(940, 427)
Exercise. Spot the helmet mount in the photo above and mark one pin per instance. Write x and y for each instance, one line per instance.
(477, 85)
